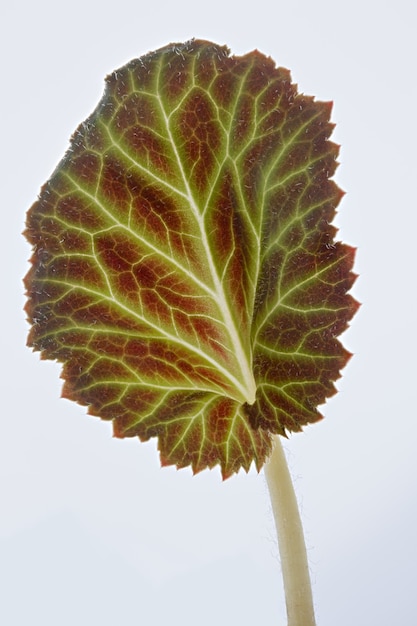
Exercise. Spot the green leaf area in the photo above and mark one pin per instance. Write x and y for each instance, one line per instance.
(184, 267)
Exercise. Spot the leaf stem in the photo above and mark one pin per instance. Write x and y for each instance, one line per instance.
(293, 553)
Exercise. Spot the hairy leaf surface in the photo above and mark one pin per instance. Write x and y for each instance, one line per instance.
(185, 270)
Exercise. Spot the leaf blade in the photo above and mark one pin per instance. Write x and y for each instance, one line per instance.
(185, 270)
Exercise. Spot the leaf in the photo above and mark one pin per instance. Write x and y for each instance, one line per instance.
(184, 268)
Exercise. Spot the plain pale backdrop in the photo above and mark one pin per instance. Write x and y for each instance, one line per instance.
(92, 531)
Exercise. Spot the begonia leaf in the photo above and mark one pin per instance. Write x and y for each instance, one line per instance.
(185, 269)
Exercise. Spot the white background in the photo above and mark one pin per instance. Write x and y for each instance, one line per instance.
(92, 531)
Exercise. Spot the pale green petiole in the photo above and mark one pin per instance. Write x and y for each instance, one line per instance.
(292, 549)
